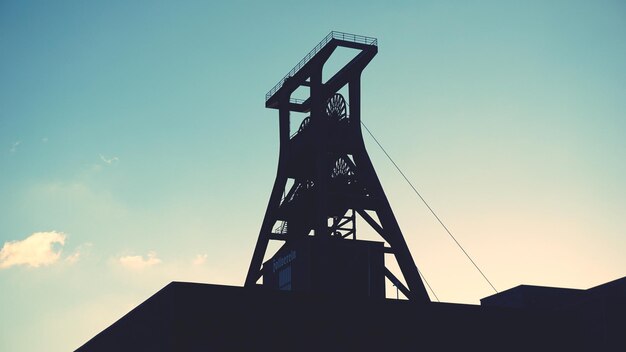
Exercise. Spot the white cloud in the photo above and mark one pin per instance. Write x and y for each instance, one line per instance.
(109, 161)
(14, 146)
(36, 250)
(200, 259)
(44, 140)
(137, 262)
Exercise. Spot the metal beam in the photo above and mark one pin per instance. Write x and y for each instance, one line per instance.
(405, 291)
(372, 223)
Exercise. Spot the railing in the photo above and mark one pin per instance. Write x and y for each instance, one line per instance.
(281, 229)
(355, 38)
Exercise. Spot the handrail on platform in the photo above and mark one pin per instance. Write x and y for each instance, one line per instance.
(354, 38)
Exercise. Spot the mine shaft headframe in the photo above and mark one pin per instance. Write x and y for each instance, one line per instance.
(333, 176)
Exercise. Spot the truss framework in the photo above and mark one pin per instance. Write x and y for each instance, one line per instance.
(333, 176)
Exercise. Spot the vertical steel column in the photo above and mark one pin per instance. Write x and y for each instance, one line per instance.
(320, 126)
(354, 98)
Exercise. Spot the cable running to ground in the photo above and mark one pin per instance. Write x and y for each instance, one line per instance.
(429, 208)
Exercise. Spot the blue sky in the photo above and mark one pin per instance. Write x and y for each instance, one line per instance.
(135, 148)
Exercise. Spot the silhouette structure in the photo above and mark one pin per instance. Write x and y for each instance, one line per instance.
(201, 317)
(324, 179)
(337, 299)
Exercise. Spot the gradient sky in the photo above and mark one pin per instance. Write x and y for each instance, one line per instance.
(135, 148)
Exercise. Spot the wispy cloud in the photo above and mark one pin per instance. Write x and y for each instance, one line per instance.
(109, 161)
(200, 259)
(44, 140)
(138, 262)
(78, 253)
(14, 146)
(73, 258)
(35, 250)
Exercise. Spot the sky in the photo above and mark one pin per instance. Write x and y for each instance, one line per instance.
(135, 148)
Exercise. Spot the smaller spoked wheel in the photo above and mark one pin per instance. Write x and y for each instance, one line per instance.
(336, 108)
(341, 169)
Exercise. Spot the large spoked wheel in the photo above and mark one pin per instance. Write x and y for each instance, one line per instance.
(305, 123)
(336, 108)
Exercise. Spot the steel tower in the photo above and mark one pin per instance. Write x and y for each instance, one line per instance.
(325, 176)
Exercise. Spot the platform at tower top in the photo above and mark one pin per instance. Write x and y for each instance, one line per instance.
(333, 40)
